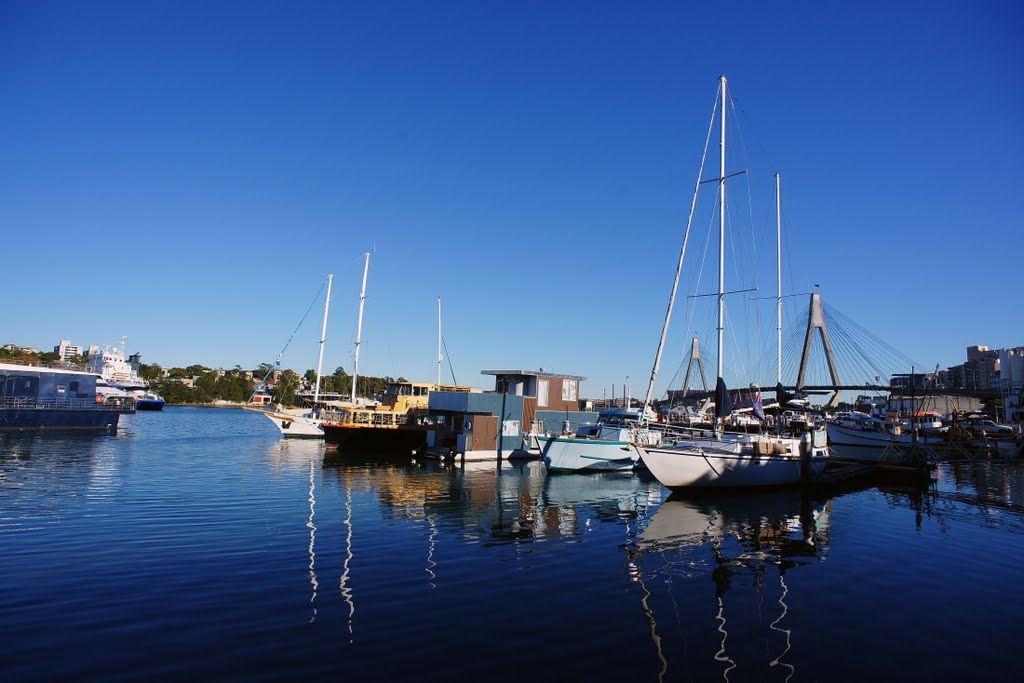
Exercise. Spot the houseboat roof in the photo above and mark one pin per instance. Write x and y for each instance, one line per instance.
(533, 373)
(16, 367)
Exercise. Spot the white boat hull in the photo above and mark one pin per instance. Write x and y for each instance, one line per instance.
(724, 464)
(567, 454)
(297, 426)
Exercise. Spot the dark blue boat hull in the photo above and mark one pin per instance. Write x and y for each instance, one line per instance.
(149, 404)
(35, 419)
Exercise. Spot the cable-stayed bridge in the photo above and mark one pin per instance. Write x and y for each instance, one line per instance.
(823, 352)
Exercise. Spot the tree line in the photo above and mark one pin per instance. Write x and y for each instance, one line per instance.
(235, 385)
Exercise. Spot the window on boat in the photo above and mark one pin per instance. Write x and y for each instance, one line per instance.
(3, 385)
(73, 386)
(23, 387)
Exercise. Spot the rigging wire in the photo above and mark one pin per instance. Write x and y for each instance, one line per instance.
(277, 362)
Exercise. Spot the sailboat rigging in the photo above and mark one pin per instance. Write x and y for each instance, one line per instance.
(729, 460)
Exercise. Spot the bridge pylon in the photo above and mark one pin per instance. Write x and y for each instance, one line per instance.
(695, 358)
(816, 322)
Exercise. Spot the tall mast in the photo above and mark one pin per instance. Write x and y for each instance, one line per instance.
(679, 269)
(323, 337)
(359, 326)
(778, 253)
(721, 236)
(439, 357)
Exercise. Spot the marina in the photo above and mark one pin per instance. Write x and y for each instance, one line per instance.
(198, 543)
(729, 382)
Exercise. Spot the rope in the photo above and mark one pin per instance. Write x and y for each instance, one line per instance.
(277, 361)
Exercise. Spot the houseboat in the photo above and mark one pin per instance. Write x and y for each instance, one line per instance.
(395, 427)
(39, 398)
(505, 422)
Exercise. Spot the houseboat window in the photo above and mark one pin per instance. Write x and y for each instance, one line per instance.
(542, 393)
(568, 390)
(26, 387)
(3, 385)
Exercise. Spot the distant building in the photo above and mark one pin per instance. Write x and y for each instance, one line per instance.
(15, 348)
(66, 349)
(979, 373)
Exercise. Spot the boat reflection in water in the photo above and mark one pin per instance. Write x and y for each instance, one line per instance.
(746, 544)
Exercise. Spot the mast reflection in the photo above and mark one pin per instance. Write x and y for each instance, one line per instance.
(754, 535)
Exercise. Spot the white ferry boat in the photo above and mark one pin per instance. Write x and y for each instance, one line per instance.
(116, 372)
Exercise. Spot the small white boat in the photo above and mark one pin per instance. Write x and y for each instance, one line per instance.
(737, 460)
(605, 446)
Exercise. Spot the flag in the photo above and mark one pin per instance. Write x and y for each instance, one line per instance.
(758, 406)
(723, 403)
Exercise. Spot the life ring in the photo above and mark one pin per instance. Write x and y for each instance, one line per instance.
(99, 398)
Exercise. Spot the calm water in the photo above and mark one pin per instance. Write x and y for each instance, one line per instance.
(195, 542)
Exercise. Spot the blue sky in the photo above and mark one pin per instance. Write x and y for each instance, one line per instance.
(186, 174)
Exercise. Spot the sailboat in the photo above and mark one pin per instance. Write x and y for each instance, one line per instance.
(306, 424)
(729, 460)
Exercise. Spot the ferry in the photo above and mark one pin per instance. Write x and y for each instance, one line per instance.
(397, 426)
(42, 398)
(116, 372)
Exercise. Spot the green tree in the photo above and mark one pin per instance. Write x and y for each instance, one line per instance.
(150, 372)
(287, 386)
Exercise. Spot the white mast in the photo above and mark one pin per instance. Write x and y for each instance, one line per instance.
(323, 337)
(721, 237)
(778, 237)
(439, 357)
(679, 269)
(359, 327)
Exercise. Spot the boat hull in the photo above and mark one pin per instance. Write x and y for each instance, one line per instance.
(296, 426)
(691, 467)
(402, 440)
(149, 404)
(566, 454)
(56, 419)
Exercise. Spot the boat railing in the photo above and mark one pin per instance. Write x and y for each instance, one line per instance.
(366, 418)
(32, 403)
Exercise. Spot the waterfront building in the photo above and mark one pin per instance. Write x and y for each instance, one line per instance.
(65, 349)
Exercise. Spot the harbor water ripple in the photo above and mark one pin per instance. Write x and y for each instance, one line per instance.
(195, 542)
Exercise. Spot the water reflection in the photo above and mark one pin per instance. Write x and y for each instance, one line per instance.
(754, 537)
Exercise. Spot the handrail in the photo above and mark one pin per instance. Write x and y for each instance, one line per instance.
(32, 403)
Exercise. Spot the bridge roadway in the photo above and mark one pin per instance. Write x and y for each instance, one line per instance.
(878, 388)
